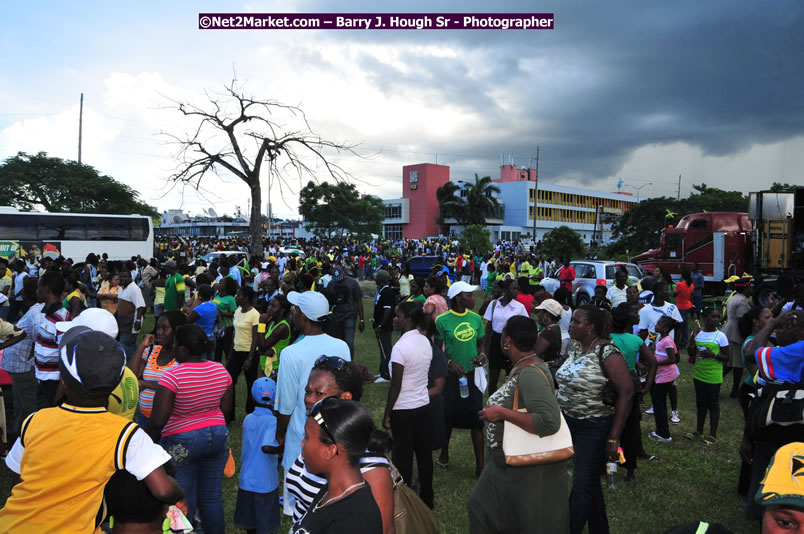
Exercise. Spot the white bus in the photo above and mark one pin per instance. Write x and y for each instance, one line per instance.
(74, 235)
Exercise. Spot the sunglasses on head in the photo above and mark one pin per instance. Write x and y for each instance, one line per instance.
(318, 417)
(333, 362)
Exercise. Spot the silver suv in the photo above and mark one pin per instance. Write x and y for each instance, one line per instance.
(588, 274)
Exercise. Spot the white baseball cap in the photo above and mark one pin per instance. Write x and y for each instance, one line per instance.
(461, 287)
(95, 318)
(312, 304)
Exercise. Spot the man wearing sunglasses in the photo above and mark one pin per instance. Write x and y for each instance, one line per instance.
(310, 310)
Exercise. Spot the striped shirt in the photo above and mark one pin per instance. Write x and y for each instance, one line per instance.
(304, 486)
(16, 358)
(154, 372)
(199, 387)
(46, 348)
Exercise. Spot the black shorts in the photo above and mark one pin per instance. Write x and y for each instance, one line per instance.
(706, 395)
(458, 412)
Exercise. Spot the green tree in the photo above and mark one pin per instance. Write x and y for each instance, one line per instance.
(65, 186)
(477, 239)
(480, 204)
(329, 209)
(778, 187)
(450, 205)
(563, 242)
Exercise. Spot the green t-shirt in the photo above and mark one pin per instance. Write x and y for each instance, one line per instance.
(491, 278)
(174, 292)
(225, 304)
(710, 370)
(629, 345)
(460, 332)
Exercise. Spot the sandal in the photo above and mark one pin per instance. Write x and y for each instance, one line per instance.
(709, 441)
(693, 435)
(652, 458)
(442, 465)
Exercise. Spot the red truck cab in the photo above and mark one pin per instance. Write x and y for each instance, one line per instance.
(719, 242)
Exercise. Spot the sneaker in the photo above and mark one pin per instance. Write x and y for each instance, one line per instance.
(656, 437)
(649, 411)
(379, 380)
(674, 418)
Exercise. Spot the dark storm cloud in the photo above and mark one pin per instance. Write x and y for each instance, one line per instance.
(721, 76)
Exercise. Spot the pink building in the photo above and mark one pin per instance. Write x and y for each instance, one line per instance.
(419, 184)
(510, 173)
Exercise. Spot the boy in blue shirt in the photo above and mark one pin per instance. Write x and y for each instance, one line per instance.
(257, 506)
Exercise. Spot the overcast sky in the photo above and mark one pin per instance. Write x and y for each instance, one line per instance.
(711, 91)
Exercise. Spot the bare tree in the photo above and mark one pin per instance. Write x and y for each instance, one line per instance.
(251, 139)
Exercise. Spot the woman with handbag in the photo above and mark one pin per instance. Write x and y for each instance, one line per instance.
(531, 497)
(594, 392)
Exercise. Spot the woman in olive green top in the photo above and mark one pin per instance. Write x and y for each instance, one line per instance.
(532, 498)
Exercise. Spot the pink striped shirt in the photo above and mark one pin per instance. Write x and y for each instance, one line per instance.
(199, 387)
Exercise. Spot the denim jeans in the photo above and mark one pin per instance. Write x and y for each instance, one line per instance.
(129, 342)
(586, 498)
(199, 457)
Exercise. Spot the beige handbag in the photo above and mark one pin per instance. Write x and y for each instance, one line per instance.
(523, 448)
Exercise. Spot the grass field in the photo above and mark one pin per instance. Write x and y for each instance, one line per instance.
(689, 482)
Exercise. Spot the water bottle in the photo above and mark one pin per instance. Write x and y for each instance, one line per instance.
(611, 473)
(463, 383)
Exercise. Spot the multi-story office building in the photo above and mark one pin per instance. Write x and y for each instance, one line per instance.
(528, 207)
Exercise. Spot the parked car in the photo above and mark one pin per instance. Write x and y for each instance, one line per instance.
(292, 252)
(230, 255)
(588, 274)
(423, 266)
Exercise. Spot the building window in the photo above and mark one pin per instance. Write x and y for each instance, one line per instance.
(393, 211)
(393, 231)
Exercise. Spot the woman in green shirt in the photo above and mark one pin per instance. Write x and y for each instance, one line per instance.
(530, 498)
(273, 334)
(226, 304)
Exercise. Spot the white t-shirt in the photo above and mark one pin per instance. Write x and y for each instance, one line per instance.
(19, 282)
(649, 315)
(132, 294)
(503, 313)
(413, 352)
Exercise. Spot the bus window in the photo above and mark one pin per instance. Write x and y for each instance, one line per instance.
(62, 228)
(139, 229)
(17, 227)
(698, 224)
(110, 230)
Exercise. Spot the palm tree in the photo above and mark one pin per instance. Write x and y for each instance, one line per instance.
(450, 205)
(480, 204)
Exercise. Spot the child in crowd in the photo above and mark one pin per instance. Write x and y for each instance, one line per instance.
(134, 510)
(257, 506)
(600, 299)
(666, 373)
(708, 350)
(65, 455)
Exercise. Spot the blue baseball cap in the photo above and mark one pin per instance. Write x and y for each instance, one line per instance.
(263, 391)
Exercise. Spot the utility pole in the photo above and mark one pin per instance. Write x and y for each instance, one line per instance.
(678, 195)
(535, 199)
(80, 124)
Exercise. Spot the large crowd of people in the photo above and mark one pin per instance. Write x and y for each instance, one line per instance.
(101, 408)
